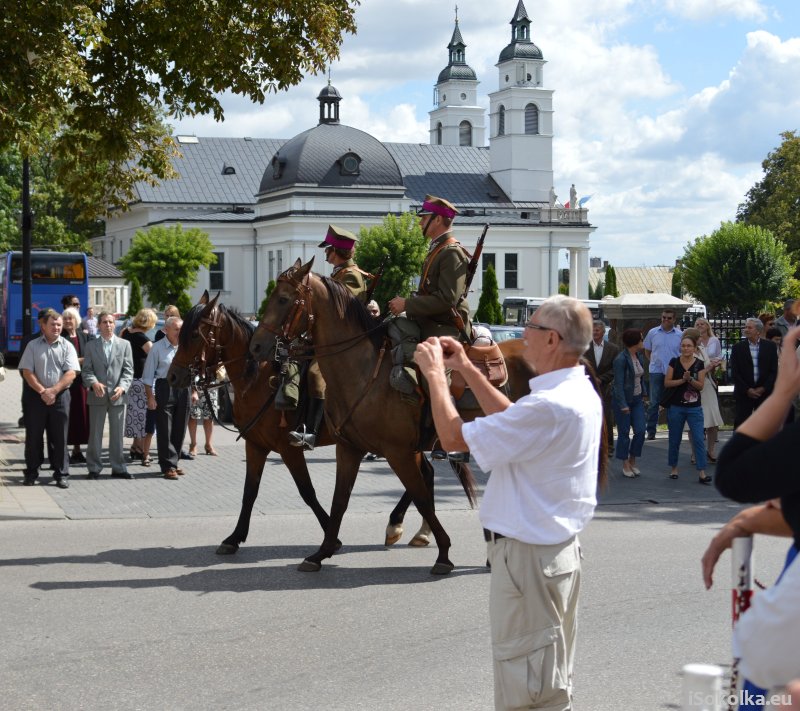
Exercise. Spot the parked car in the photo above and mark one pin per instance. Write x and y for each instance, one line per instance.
(506, 333)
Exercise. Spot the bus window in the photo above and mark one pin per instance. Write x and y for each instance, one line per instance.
(52, 267)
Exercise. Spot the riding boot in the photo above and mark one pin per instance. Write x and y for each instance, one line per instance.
(306, 435)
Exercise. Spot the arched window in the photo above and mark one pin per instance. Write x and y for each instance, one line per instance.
(439, 133)
(465, 133)
(531, 119)
(501, 121)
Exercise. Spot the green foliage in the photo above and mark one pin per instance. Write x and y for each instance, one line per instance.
(165, 261)
(736, 267)
(773, 202)
(597, 292)
(100, 74)
(611, 281)
(267, 292)
(135, 303)
(677, 282)
(184, 303)
(563, 289)
(402, 239)
(56, 224)
(489, 308)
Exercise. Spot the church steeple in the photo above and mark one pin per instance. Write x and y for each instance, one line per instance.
(329, 99)
(457, 120)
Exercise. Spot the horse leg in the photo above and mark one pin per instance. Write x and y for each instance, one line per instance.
(348, 461)
(409, 471)
(294, 459)
(394, 530)
(255, 459)
(422, 537)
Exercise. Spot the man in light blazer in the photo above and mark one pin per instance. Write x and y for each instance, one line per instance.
(108, 374)
(601, 354)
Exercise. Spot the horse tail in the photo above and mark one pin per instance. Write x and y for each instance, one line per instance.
(467, 479)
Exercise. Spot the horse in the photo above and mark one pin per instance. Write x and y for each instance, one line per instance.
(362, 410)
(213, 335)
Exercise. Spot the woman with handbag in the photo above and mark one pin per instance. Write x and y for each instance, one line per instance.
(629, 393)
(684, 381)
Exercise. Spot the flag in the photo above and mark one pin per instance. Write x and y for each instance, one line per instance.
(566, 205)
(584, 200)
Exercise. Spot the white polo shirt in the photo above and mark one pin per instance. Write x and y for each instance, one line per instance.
(543, 453)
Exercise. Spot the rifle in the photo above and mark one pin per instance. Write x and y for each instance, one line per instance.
(471, 269)
(376, 278)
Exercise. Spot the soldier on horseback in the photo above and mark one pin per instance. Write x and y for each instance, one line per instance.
(339, 245)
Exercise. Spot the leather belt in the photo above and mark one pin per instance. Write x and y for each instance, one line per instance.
(491, 535)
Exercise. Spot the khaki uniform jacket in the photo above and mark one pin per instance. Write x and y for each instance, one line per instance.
(353, 278)
(445, 275)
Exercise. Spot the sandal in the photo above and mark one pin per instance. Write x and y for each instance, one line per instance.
(210, 451)
(673, 476)
(136, 452)
(146, 461)
(705, 480)
(711, 458)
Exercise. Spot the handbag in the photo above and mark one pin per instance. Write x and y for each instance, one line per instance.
(667, 397)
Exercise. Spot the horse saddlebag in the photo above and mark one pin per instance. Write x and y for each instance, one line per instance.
(489, 360)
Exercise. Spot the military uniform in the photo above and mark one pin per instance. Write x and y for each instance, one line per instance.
(353, 278)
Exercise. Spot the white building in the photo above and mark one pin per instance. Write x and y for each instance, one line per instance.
(266, 202)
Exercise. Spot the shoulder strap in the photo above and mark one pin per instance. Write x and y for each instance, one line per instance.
(431, 256)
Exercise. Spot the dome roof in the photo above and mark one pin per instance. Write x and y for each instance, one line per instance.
(456, 71)
(521, 49)
(316, 157)
(330, 92)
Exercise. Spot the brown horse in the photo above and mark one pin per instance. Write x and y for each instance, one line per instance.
(213, 335)
(361, 409)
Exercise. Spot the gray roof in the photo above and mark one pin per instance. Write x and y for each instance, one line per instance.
(456, 71)
(100, 269)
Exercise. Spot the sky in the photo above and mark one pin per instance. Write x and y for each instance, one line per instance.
(664, 109)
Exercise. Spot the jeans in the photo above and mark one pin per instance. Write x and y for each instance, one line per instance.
(677, 416)
(634, 417)
(656, 390)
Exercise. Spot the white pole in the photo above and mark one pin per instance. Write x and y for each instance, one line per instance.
(702, 688)
(742, 574)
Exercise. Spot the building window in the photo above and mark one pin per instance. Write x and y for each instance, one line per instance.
(501, 121)
(439, 133)
(531, 119)
(350, 164)
(97, 299)
(487, 258)
(511, 271)
(216, 273)
(271, 270)
(465, 133)
(280, 261)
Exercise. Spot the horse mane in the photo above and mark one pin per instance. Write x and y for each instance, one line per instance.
(192, 319)
(351, 309)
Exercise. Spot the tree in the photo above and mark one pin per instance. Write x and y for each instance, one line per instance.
(267, 292)
(677, 283)
(774, 202)
(165, 261)
(135, 302)
(56, 224)
(736, 267)
(597, 292)
(184, 303)
(102, 74)
(611, 281)
(401, 238)
(489, 308)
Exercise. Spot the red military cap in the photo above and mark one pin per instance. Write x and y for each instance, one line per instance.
(438, 206)
(339, 238)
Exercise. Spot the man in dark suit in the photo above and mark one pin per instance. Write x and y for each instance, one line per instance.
(601, 354)
(108, 373)
(754, 366)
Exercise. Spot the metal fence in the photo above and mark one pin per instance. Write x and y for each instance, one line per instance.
(730, 330)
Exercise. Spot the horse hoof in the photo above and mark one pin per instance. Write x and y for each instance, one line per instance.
(227, 549)
(393, 534)
(420, 541)
(442, 569)
(337, 546)
(309, 566)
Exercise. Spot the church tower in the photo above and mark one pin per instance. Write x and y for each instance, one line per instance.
(457, 119)
(521, 118)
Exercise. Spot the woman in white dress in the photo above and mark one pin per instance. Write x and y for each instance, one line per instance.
(709, 350)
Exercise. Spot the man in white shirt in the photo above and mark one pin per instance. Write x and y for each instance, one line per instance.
(542, 452)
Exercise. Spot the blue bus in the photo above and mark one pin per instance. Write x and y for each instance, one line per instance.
(53, 275)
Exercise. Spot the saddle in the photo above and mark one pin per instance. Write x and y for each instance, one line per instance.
(489, 360)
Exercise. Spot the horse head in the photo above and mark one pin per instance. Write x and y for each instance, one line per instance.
(198, 351)
(288, 313)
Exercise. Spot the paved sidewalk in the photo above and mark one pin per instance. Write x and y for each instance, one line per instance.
(213, 485)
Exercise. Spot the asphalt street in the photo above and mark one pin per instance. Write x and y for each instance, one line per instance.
(113, 597)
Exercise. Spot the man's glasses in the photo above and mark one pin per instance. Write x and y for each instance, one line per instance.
(75, 303)
(537, 327)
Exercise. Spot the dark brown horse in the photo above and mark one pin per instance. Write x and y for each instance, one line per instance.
(361, 409)
(213, 335)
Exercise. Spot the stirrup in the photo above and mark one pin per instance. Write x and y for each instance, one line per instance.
(438, 455)
(458, 457)
(302, 439)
